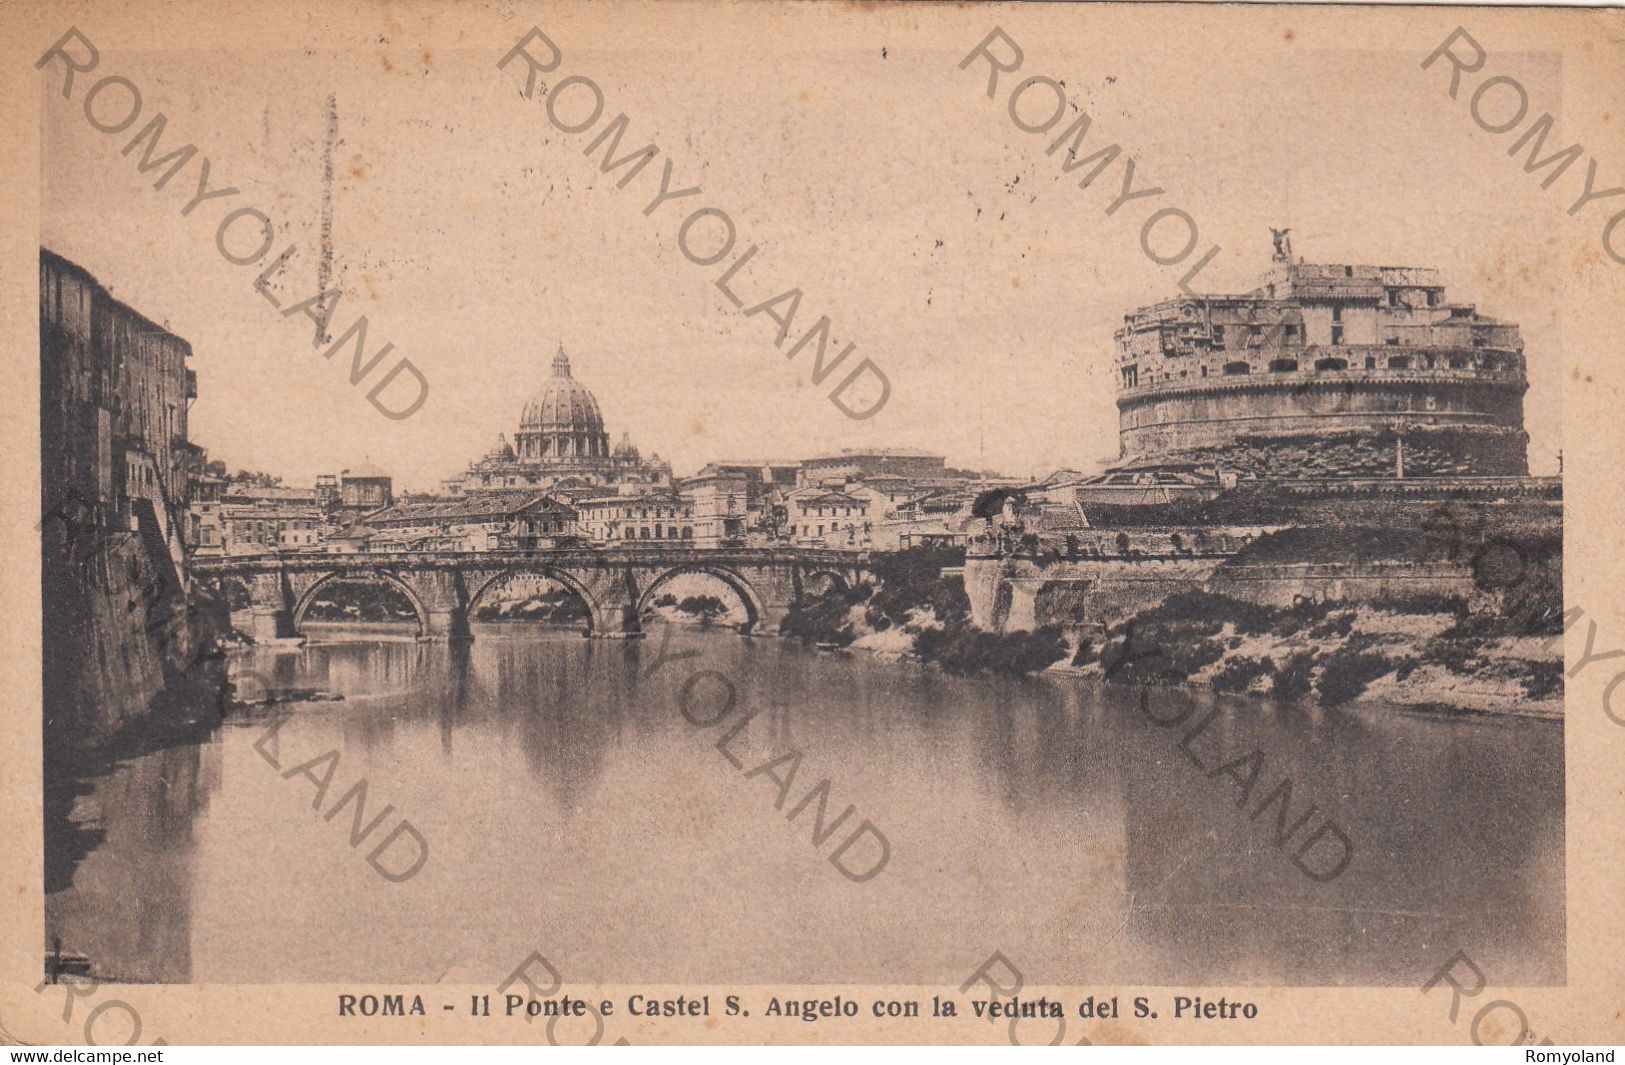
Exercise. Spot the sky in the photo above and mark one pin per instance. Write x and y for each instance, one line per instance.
(870, 171)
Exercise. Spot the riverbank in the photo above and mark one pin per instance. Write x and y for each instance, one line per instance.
(1427, 654)
(1423, 654)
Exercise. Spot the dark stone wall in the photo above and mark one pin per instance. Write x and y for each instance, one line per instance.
(1461, 425)
(1428, 452)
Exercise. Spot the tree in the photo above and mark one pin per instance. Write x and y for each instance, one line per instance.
(256, 478)
(705, 607)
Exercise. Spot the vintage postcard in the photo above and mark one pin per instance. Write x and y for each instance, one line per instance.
(812, 523)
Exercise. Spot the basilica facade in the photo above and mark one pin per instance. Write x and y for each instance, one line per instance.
(560, 442)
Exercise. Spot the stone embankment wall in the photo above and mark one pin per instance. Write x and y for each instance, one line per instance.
(1283, 584)
(116, 632)
(1020, 593)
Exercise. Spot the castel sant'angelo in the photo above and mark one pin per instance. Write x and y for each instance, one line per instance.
(1306, 440)
(1324, 371)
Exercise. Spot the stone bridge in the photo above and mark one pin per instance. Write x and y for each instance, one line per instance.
(616, 583)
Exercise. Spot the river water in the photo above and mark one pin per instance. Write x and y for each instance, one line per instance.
(574, 797)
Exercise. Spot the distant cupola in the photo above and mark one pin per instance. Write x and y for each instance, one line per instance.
(561, 423)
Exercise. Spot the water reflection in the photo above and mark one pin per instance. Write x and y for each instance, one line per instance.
(569, 807)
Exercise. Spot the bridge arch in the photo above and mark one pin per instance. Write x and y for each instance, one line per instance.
(833, 579)
(235, 590)
(595, 619)
(381, 576)
(755, 608)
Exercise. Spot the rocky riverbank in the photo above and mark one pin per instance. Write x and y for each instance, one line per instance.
(1426, 653)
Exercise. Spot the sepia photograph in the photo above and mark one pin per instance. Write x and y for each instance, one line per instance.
(814, 523)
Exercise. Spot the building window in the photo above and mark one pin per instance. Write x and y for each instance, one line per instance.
(1337, 334)
(1331, 364)
(1399, 362)
(1290, 329)
(1218, 336)
(1370, 362)
(1337, 313)
(1433, 298)
(1233, 368)
(1283, 365)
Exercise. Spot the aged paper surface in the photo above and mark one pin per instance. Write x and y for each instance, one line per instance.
(1093, 523)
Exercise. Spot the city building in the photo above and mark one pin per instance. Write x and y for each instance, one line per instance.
(853, 464)
(116, 473)
(721, 504)
(822, 517)
(363, 488)
(560, 440)
(250, 492)
(207, 532)
(760, 475)
(1323, 370)
(486, 521)
(882, 493)
(657, 515)
(113, 423)
(934, 517)
(262, 526)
